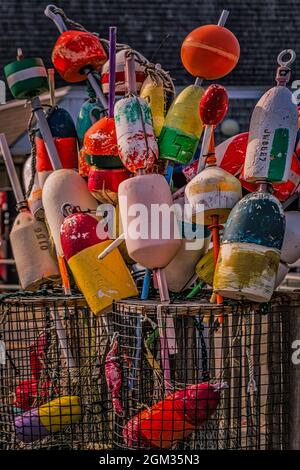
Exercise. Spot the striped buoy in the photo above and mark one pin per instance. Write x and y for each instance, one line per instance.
(250, 251)
(121, 87)
(26, 78)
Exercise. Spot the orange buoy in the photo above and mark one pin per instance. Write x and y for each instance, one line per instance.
(210, 52)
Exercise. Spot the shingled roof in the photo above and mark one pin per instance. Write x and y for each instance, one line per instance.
(263, 29)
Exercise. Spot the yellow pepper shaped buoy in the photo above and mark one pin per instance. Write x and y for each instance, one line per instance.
(154, 94)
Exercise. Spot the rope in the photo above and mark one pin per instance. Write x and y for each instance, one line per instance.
(31, 134)
(251, 384)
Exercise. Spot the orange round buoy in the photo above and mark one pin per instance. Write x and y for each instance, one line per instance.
(210, 52)
(76, 50)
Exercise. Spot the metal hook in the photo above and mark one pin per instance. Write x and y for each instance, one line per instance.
(288, 62)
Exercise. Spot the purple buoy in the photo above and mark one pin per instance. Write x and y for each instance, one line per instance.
(29, 428)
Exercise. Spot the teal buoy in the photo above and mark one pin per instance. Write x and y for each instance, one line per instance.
(90, 112)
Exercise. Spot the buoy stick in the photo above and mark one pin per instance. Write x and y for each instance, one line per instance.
(57, 19)
(146, 284)
(46, 133)
(11, 170)
(112, 70)
(62, 338)
(165, 361)
(215, 227)
(204, 147)
(64, 275)
(221, 22)
(96, 87)
(196, 290)
(162, 285)
(130, 73)
(112, 246)
(51, 82)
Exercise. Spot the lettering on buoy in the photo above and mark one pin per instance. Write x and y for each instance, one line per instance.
(42, 239)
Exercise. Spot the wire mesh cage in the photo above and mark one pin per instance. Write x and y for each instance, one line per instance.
(53, 391)
(189, 375)
(166, 349)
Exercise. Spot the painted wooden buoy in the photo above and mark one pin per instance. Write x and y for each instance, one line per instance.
(120, 82)
(64, 136)
(210, 52)
(52, 417)
(281, 190)
(174, 418)
(101, 281)
(76, 50)
(26, 78)
(61, 187)
(181, 132)
(149, 246)
(100, 144)
(137, 144)
(273, 130)
(154, 94)
(90, 112)
(213, 191)
(250, 251)
(230, 156)
(104, 184)
(180, 271)
(290, 251)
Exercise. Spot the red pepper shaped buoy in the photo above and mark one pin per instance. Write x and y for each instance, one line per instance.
(173, 418)
(100, 144)
(76, 50)
(213, 105)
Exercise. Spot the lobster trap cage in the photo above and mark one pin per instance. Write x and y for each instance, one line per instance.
(52, 348)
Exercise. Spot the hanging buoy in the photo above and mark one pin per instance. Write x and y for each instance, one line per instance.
(290, 251)
(64, 135)
(52, 417)
(29, 237)
(154, 94)
(61, 187)
(210, 52)
(100, 144)
(181, 132)
(181, 269)
(250, 251)
(104, 184)
(273, 130)
(90, 112)
(26, 78)
(101, 281)
(120, 80)
(173, 418)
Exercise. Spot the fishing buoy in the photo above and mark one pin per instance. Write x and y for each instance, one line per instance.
(62, 187)
(104, 184)
(210, 52)
(283, 269)
(120, 79)
(100, 144)
(29, 237)
(64, 135)
(153, 93)
(101, 281)
(280, 190)
(290, 251)
(194, 244)
(213, 191)
(90, 112)
(250, 251)
(272, 133)
(77, 55)
(230, 156)
(74, 51)
(52, 417)
(181, 132)
(174, 418)
(26, 78)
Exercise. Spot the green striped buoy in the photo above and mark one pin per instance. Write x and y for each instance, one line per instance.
(26, 78)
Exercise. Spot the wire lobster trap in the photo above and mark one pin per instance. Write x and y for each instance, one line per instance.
(53, 392)
(166, 348)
